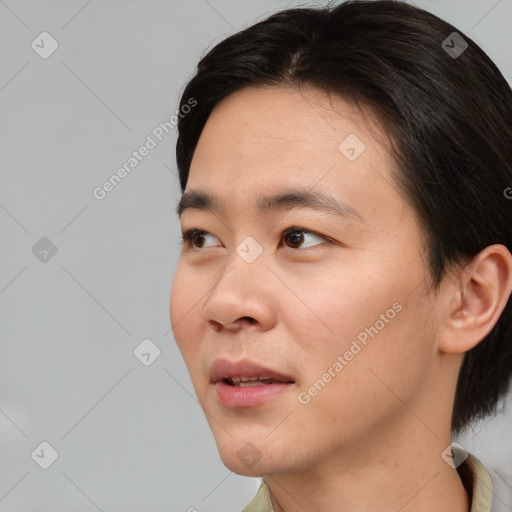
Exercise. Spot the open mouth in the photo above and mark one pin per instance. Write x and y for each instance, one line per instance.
(244, 383)
(252, 381)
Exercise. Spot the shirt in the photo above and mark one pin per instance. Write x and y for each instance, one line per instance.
(488, 491)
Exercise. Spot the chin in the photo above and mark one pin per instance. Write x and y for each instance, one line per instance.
(242, 470)
(245, 458)
(260, 469)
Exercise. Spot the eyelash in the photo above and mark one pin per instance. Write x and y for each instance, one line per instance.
(188, 237)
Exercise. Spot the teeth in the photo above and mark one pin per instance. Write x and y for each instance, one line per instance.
(250, 381)
(245, 379)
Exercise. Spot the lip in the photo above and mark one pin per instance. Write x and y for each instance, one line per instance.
(223, 369)
(247, 396)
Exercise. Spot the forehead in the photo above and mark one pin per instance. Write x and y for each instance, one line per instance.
(268, 123)
(261, 141)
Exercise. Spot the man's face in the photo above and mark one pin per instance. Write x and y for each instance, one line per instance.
(331, 305)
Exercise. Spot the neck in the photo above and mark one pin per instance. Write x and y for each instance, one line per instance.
(386, 475)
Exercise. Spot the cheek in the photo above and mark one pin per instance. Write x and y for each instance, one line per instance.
(185, 307)
(373, 322)
(373, 379)
(340, 307)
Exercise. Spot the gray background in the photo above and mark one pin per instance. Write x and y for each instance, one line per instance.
(129, 437)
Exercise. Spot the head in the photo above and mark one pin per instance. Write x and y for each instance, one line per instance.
(346, 176)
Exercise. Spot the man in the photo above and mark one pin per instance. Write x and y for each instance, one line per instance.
(342, 295)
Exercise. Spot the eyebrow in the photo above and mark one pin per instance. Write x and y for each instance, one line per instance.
(284, 201)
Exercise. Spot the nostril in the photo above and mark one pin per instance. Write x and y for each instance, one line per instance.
(217, 326)
(248, 319)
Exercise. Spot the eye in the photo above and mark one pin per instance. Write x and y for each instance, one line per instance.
(196, 238)
(294, 237)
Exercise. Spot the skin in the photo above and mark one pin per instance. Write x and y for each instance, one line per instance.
(372, 438)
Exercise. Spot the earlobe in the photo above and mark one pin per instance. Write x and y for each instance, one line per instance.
(484, 287)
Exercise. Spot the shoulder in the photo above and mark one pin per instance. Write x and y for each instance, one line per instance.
(261, 501)
(492, 491)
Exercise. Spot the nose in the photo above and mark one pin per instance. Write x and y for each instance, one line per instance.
(242, 298)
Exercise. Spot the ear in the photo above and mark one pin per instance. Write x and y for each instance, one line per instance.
(484, 287)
